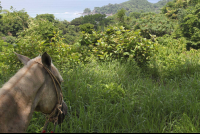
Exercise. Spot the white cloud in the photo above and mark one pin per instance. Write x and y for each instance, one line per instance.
(68, 15)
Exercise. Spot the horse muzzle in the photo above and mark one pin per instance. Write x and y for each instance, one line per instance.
(64, 109)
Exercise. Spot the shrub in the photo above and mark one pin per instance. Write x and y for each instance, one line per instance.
(6, 58)
(9, 39)
(172, 59)
(118, 43)
(40, 37)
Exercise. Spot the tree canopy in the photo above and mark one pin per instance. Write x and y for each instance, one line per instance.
(49, 17)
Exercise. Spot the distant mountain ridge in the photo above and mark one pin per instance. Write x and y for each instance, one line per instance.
(130, 6)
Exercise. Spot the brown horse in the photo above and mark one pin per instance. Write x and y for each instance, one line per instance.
(30, 89)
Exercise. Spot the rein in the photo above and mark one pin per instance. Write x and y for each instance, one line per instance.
(51, 117)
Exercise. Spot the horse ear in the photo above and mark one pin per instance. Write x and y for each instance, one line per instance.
(22, 58)
(46, 60)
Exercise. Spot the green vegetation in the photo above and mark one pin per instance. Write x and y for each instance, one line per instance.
(49, 17)
(133, 71)
(131, 6)
(118, 43)
(154, 24)
(98, 20)
(87, 10)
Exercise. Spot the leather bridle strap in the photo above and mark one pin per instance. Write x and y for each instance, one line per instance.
(51, 117)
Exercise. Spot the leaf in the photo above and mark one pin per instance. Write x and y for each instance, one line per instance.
(126, 53)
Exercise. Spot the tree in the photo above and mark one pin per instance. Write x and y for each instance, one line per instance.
(87, 28)
(13, 22)
(98, 20)
(87, 10)
(190, 27)
(136, 15)
(49, 17)
(40, 30)
(121, 15)
(154, 24)
(77, 21)
(132, 6)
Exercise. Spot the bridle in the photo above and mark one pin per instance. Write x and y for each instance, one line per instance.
(51, 117)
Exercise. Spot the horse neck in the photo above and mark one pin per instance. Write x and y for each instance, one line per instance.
(18, 98)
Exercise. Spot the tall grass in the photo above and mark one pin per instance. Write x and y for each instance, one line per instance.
(120, 97)
(114, 97)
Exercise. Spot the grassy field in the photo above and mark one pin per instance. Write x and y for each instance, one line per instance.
(116, 97)
(121, 97)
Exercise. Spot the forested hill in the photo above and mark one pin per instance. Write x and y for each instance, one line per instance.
(130, 6)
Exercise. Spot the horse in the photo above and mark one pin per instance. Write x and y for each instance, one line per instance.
(35, 87)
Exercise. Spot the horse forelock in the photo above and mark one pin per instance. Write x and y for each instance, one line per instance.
(36, 59)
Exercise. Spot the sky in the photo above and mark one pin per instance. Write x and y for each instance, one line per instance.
(62, 9)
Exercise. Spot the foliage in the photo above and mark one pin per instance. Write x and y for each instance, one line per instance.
(49, 17)
(7, 62)
(87, 10)
(121, 15)
(154, 24)
(131, 6)
(190, 27)
(171, 9)
(14, 22)
(71, 34)
(43, 36)
(42, 29)
(9, 39)
(98, 20)
(173, 59)
(118, 43)
(112, 92)
(77, 21)
(135, 15)
(87, 28)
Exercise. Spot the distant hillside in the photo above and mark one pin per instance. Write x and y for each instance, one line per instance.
(130, 6)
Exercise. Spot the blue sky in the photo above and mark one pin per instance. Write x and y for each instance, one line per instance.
(62, 9)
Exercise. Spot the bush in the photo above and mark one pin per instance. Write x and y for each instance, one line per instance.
(172, 59)
(40, 37)
(7, 59)
(9, 39)
(118, 43)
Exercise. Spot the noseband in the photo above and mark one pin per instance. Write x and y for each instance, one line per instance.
(52, 117)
